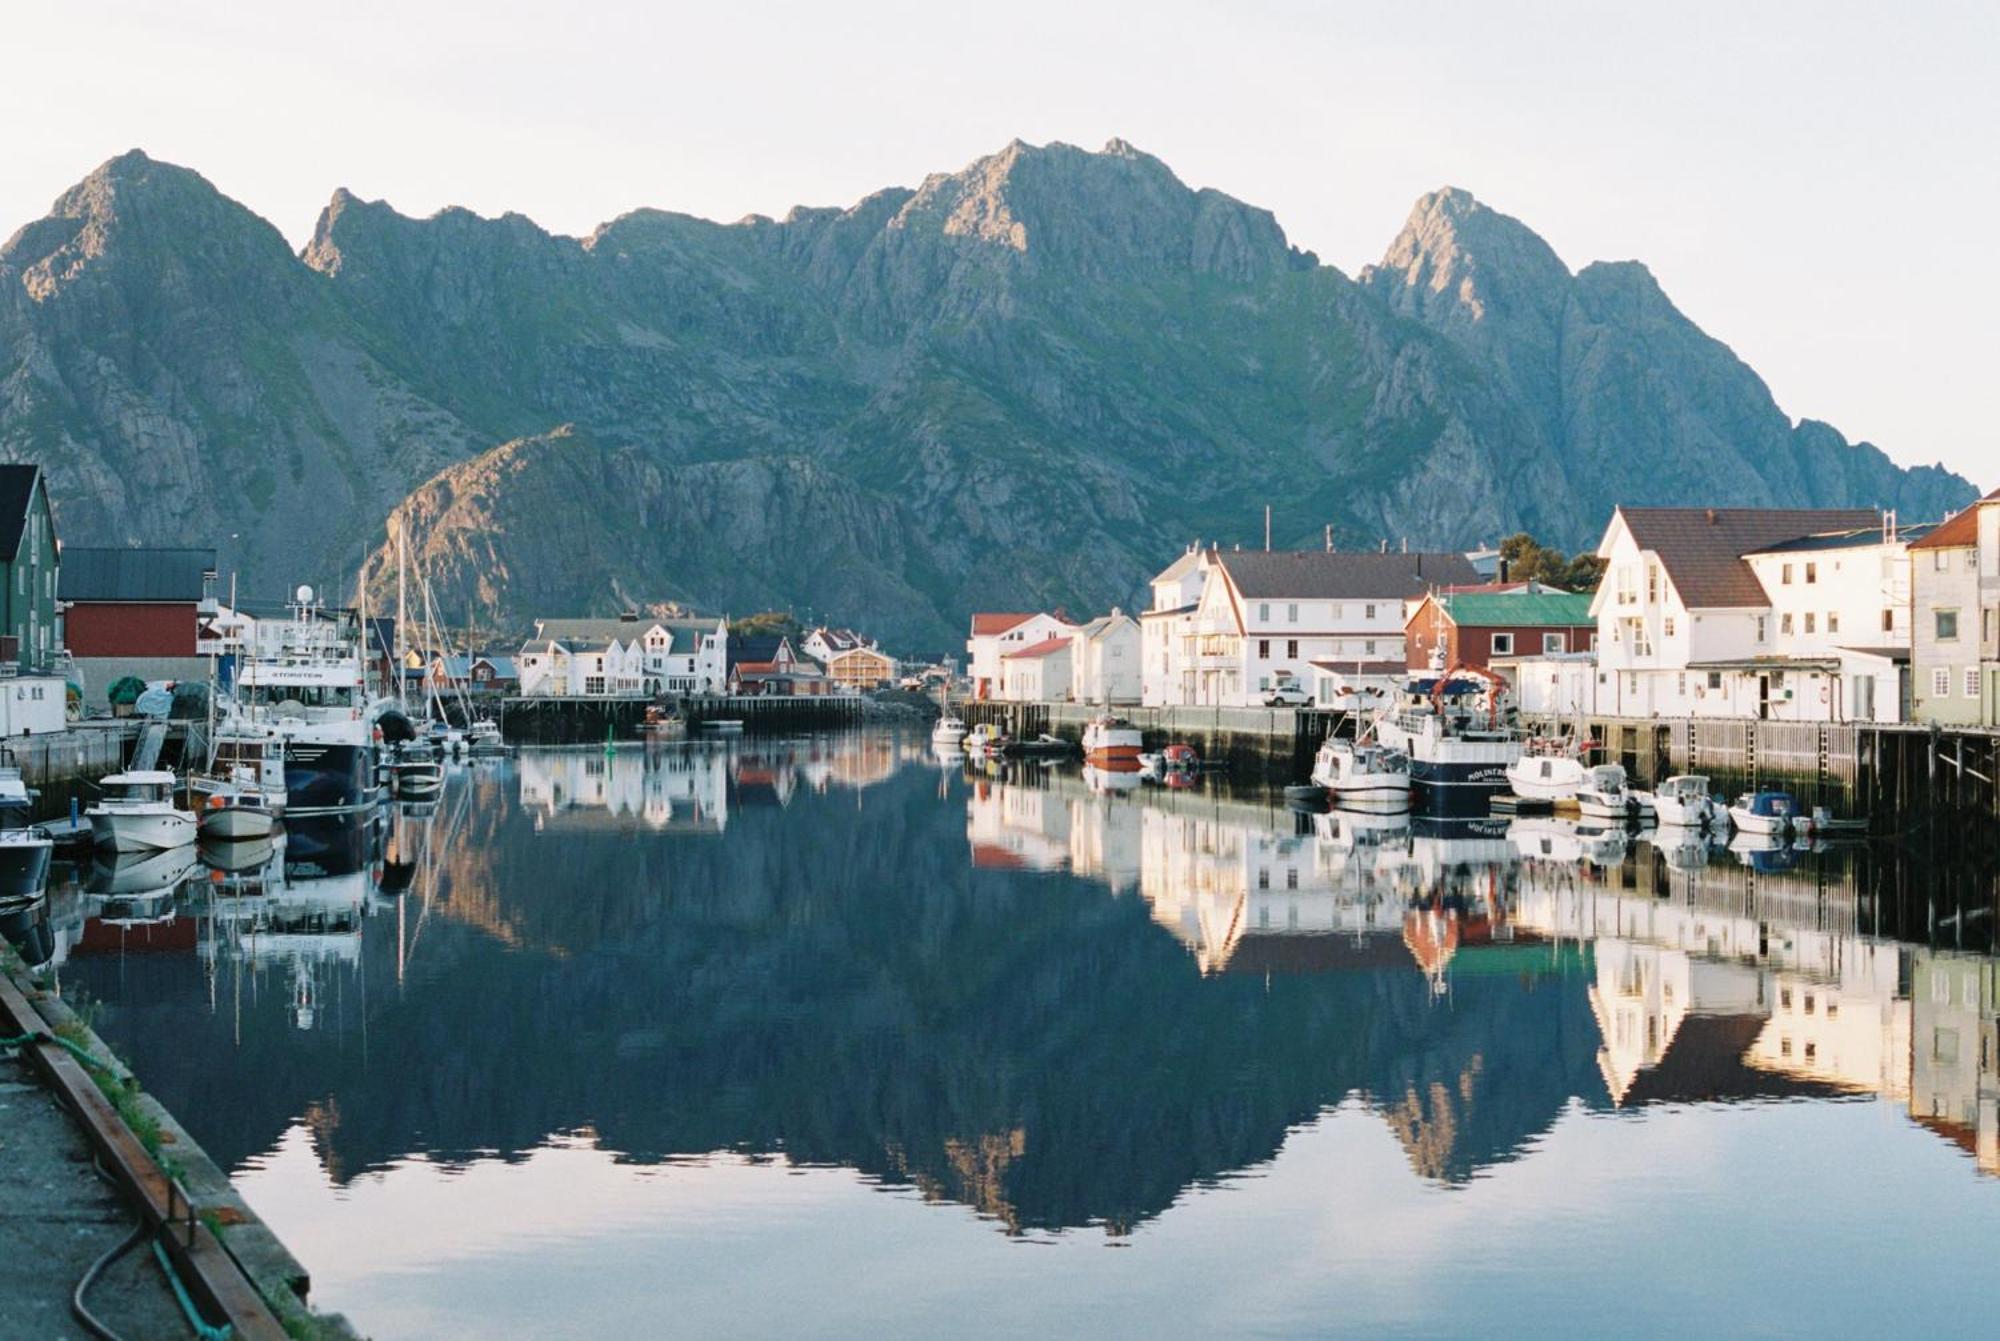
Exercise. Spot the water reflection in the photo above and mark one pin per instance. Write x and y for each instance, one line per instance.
(1054, 1000)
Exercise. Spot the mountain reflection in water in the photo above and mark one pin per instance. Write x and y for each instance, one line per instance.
(1057, 1003)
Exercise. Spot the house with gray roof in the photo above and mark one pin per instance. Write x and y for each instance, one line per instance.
(630, 655)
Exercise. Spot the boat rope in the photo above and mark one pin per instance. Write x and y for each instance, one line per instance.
(82, 1054)
(202, 1328)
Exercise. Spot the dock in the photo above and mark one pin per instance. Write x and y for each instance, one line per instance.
(577, 720)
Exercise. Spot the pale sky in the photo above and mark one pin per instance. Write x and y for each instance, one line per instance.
(1810, 181)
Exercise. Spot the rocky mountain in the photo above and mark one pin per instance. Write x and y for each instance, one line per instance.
(1025, 383)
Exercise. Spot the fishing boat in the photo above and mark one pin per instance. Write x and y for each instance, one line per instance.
(137, 814)
(1362, 776)
(1683, 801)
(1166, 763)
(1453, 728)
(658, 724)
(1606, 793)
(1548, 770)
(235, 807)
(303, 693)
(25, 849)
(1767, 812)
(1111, 741)
(950, 730)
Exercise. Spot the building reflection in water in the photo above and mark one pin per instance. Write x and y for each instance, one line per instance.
(958, 980)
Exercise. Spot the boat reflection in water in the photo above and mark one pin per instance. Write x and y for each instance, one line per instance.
(1058, 1004)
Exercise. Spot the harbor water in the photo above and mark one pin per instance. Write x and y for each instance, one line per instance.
(829, 1036)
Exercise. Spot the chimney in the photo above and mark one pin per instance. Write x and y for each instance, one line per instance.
(1501, 572)
(1406, 544)
(1710, 515)
(1329, 537)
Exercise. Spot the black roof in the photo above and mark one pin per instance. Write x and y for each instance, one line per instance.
(17, 490)
(133, 574)
(756, 647)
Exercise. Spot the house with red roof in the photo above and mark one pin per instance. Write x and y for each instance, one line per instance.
(1039, 672)
(995, 634)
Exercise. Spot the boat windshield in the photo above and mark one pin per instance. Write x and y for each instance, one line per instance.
(283, 696)
(133, 791)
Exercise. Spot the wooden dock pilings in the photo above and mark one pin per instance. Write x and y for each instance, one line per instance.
(578, 720)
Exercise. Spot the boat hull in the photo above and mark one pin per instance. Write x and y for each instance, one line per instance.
(24, 866)
(323, 778)
(152, 831)
(237, 822)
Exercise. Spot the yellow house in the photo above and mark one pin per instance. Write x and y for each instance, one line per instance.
(861, 668)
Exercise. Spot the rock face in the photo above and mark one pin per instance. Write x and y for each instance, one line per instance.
(1025, 383)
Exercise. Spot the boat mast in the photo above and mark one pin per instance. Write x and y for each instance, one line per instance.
(402, 564)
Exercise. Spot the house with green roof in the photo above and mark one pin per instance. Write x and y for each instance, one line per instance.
(1475, 626)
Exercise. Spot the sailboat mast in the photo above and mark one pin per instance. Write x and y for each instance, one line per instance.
(402, 566)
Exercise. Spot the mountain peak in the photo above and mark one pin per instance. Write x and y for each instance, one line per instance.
(1459, 256)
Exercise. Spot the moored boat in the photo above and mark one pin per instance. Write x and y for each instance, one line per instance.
(950, 730)
(1683, 801)
(233, 808)
(1362, 776)
(25, 849)
(137, 814)
(1453, 727)
(985, 739)
(1548, 770)
(1606, 793)
(1111, 740)
(1765, 812)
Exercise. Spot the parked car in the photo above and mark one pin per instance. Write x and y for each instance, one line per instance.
(1286, 694)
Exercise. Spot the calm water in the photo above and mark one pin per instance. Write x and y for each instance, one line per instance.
(823, 1038)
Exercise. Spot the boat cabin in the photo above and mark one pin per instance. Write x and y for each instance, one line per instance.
(144, 785)
(1770, 804)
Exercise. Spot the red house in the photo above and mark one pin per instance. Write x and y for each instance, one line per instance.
(1473, 627)
(134, 612)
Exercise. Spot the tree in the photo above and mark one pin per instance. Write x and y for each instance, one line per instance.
(766, 624)
(1526, 559)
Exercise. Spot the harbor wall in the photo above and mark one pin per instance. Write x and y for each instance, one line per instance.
(1277, 743)
(584, 721)
(67, 764)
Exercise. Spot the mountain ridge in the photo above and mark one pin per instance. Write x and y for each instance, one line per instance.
(1033, 377)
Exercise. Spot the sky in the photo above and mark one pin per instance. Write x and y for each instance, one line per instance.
(1808, 180)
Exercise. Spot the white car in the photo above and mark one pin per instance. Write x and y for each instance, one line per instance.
(1286, 695)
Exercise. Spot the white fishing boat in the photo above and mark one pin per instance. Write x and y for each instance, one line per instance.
(949, 731)
(1363, 776)
(1605, 793)
(483, 739)
(1549, 770)
(1683, 801)
(234, 807)
(1112, 741)
(137, 814)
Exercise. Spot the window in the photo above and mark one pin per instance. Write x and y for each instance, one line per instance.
(1940, 682)
(1291, 649)
(1972, 682)
(1667, 628)
(1291, 877)
(1681, 684)
(1760, 628)
(1264, 649)
(1370, 645)
(1551, 643)
(1812, 622)
(593, 684)
(1264, 613)
(1833, 621)
(1888, 621)
(1715, 679)
(1938, 561)
(1368, 612)
(1503, 644)
(1812, 572)
(1652, 583)
(1292, 613)
(1947, 625)
(1785, 624)
(1785, 575)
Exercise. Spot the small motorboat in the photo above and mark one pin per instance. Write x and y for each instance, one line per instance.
(1767, 811)
(985, 739)
(1551, 770)
(1683, 801)
(1111, 740)
(138, 814)
(1606, 794)
(950, 730)
(484, 741)
(1363, 776)
(234, 807)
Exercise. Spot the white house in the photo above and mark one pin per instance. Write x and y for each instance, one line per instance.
(1955, 609)
(1261, 618)
(995, 635)
(1037, 673)
(1788, 614)
(1104, 660)
(625, 655)
(823, 644)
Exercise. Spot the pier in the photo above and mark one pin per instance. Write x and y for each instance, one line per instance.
(577, 720)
